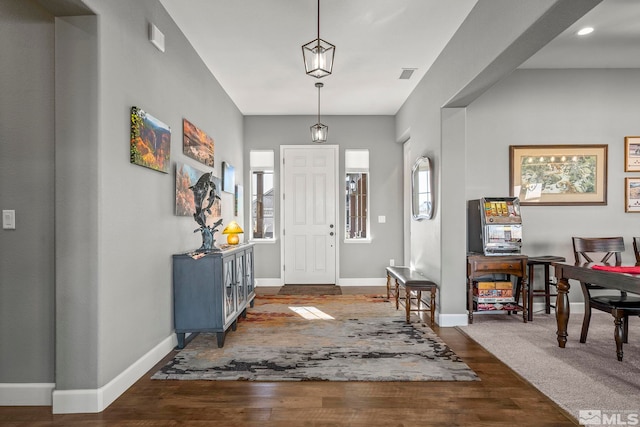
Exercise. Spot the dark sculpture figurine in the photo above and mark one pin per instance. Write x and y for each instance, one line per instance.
(205, 190)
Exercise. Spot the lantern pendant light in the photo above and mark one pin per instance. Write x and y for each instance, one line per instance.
(318, 55)
(319, 131)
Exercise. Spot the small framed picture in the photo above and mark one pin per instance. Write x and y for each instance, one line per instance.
(632, 153)
(228, 178)
(632, 194)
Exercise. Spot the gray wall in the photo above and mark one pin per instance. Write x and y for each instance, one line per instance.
(26, 185)
(533, 107)
(115, 228)
(375, 133)
(137, 228)
(434, 118)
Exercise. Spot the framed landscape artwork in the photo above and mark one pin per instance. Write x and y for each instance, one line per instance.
(228, 178)
(558, 174)
(197, 144)
(150, 144)
(632, 153)
(186, 177)
(632, 194)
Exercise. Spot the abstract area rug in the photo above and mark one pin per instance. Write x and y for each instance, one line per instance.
(579, 377)
(310, 290)
(320, 338)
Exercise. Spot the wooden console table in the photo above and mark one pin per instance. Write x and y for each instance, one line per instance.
(512, 265)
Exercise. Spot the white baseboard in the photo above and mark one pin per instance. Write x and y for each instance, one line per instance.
(368, 281)
(451, 320)
(26, 394)
(269, 282)
(97, 400)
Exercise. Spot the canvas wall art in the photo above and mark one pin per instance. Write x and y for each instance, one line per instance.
(186, 177)
(228, 178)
(150, 144)
(197, 144)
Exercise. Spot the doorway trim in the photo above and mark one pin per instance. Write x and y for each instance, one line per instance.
(336, 151)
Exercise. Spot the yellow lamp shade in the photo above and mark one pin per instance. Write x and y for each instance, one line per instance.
(232, 230)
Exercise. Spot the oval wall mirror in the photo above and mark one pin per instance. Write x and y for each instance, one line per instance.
(422, 189)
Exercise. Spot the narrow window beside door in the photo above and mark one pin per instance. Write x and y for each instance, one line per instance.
(357, 196)
(262, 195)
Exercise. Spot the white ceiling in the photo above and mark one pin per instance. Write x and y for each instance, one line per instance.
(253, 47)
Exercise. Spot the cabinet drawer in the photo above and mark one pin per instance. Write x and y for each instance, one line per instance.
(510, 267)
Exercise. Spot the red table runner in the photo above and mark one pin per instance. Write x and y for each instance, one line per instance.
(618, 268)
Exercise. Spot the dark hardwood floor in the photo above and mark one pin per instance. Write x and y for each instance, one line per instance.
(501, 398)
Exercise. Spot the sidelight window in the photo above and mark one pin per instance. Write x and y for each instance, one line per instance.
(262, 195)
(357, 196)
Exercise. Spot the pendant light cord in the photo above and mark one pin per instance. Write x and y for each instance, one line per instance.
(319, 85)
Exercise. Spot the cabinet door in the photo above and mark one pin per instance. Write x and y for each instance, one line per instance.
(229, 288)
(240, 280)
(248, 271)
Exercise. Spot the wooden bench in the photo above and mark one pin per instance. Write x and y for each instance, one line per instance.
(411, 280)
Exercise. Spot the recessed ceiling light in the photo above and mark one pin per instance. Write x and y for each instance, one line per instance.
(584, 31)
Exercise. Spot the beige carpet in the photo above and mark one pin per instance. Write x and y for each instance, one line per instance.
(580, 376)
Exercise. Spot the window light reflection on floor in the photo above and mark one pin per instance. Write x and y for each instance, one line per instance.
(311, 313)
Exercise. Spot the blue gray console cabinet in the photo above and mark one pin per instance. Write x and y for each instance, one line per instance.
(211, 292)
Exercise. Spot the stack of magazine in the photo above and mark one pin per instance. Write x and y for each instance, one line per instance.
(494, 296)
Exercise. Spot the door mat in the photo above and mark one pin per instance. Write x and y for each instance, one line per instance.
(310, 290)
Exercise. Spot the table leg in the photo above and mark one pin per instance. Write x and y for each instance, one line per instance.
(547, 290)
(433, 305)
(562, 310)
(530, 293)
(397, 294)
(525, 298)
(388, 286)
(407, 303)
(180, 336)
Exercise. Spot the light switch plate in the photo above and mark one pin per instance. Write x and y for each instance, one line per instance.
(9, 219)
(382, 219)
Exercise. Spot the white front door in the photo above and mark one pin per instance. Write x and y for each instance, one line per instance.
(310, 228)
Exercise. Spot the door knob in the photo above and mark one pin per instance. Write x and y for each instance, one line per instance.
(331, 234)
(331, 226)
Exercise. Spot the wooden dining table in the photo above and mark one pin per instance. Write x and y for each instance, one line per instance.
(585, 273)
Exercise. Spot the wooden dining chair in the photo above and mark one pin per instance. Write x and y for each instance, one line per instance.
(617, 303)
(636, 249)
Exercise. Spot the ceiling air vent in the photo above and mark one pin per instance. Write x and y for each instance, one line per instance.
(406, 73)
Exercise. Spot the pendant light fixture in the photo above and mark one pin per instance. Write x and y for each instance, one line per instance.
(318, 55)
(319, 131)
